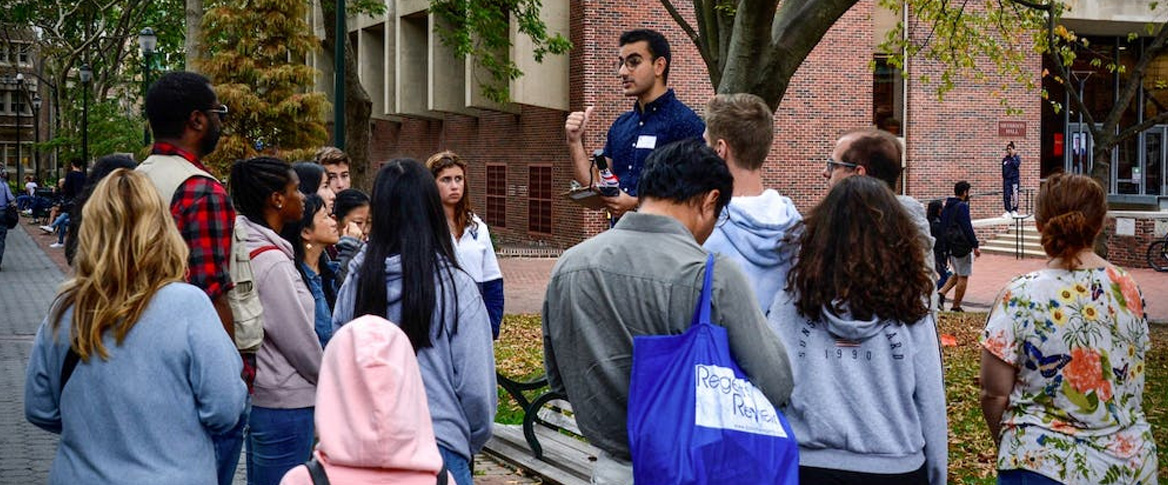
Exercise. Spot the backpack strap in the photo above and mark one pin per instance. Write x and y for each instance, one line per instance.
(316, 471)
(71, 359)
(260, 250)
(442, 478)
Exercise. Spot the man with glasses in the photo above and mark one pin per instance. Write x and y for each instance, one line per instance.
(657, 118)
(187, 119)
(878, 153)
(740, 129)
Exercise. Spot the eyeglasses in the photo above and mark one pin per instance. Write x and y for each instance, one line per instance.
(831, 164)
(630, 62)
(221, 111)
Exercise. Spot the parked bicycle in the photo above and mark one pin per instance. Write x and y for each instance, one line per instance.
(1158, 254)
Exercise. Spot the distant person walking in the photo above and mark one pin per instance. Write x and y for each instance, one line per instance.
(960, 242)
(131, 367)
(6, 199)
(1064, 355)
(1011, 178)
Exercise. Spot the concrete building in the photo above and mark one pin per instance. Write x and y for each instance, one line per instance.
(424, 100)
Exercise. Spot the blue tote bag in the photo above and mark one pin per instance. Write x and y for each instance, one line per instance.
(694, 418)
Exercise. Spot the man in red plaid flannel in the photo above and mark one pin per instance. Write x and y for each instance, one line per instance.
(187, 119)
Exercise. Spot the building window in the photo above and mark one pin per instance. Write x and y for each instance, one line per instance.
(497, 195)
(23, 48)
(539, 199)
(887, 97)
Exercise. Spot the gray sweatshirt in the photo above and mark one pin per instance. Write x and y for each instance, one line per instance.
(643, 277)
(458, 370)
(868, 393)
(289, 360)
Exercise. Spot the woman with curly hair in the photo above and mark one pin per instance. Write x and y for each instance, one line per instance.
(1063, 356)
(131, 367)
(868, 405)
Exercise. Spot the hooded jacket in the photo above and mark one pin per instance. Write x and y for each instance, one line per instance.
(289, 359)
(868, 394)
(753, 236)
(371, 411)
(458, 369)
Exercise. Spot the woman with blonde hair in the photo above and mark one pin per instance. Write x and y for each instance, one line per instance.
(472, 239)
(1063, 357)
(131, 366)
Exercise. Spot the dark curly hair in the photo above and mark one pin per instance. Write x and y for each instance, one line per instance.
(860, 252)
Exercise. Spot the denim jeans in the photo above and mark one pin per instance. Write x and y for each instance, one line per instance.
(61, 225)
(3, 238)
(1024, 477)
(457, 466)
(277, 441)
(228, 446)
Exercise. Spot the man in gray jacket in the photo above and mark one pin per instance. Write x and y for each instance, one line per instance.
(644, 277)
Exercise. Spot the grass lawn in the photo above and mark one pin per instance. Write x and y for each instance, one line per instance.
(519, 355)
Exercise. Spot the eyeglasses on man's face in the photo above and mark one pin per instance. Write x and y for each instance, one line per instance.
(221, 111)
(630, 62)
(832, 164)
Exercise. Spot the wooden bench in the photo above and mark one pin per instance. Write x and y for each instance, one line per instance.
(548, 443)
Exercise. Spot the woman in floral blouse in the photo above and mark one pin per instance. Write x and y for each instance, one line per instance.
(1062, 366)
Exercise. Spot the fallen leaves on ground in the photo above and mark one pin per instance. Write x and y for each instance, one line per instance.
(519, 355)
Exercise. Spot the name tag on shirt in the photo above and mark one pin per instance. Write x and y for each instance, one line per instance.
(647, 141)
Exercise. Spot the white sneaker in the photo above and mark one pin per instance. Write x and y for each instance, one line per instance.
(27, 212)
(1007, 215)
(47, 229)
(56, 245)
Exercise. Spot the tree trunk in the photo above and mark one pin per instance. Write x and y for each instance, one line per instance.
(358, 105)
(193, 45)
(1101, 172)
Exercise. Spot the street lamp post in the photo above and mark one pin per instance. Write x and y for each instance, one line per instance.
(36, 133)
(86, 77)
(147, 41)
(20, 108)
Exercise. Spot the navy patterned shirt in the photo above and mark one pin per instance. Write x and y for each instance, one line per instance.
(635, 134)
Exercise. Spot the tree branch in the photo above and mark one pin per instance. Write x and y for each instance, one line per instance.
(797, 28)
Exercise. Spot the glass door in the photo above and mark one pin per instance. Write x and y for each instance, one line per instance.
(1153, 173)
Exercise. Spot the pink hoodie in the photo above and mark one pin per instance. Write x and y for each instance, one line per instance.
(371, 412)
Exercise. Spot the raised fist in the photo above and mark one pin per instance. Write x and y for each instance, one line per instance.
(576, 123)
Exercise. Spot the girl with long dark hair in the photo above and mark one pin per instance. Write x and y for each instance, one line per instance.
(408, 273)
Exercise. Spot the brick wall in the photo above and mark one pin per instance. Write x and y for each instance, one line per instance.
(1131, 251)
(829, 95)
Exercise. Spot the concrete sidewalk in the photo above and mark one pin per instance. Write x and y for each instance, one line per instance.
(525, 282)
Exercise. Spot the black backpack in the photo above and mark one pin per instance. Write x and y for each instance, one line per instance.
(319, 477)
(955, 240)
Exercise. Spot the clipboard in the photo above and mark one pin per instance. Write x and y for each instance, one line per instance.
(586, 196)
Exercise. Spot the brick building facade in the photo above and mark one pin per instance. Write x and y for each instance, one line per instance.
(519, 160)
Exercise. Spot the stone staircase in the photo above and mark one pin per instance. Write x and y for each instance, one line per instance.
(1005, 243)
